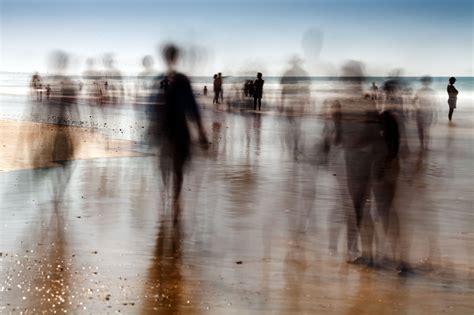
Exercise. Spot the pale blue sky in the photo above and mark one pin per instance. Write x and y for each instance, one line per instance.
(421, 37)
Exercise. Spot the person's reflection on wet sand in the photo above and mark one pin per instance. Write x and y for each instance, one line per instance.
(176, 106)
(253, 130)
(164, 282)
(43, 263)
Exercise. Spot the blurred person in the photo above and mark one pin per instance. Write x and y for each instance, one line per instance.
(145, 80)
(374, 91)
(331, 155)
(246, 88)
(217, 89)
(221, 90)
(144, 88)
(52, 142)
(453, 97)
(370, 142)
(113, 84)
(425, 111)
(36, 85)
(312, 43)
(258, 91)
(64, 104)
(295, 97)
(176, 106)
(48, 91)
(93, 90)
(394, 101)
(251, 88)
(204, 91)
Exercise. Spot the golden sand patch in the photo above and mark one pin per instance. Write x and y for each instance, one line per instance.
(27, 145)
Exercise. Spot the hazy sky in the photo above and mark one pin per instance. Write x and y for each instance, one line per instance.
(421, 37)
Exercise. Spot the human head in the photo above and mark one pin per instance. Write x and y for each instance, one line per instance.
(58, 61)
(353, 72)
(108, 60)
(170, 55)
(220, 74)
(452, 80)
(259, 75)
(147, 62)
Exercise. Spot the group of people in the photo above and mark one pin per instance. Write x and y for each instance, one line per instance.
(37, 87)
(369, 131)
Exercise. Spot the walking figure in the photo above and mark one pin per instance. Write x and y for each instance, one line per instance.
(176, 106)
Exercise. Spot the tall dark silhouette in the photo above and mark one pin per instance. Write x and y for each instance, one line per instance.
(453, 97)
(176, 106)
(258, 91)
(217, 84)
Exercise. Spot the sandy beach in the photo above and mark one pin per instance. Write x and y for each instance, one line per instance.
(95, 236)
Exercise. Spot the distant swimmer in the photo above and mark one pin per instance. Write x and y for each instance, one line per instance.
(453, 97)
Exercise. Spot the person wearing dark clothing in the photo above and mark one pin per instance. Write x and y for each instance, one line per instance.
(164, 84)
(217, 88)
(176, 106)
(258, 91)
(453, 97)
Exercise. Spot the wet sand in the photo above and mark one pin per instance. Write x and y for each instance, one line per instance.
(94, 236)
